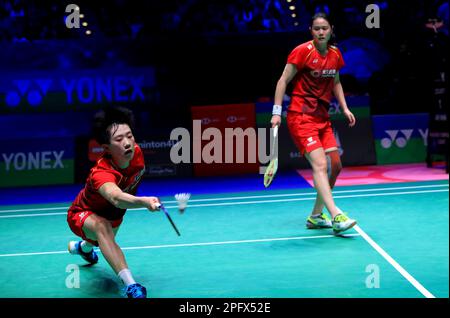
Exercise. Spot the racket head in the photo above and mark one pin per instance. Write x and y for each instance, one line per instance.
(270, 172)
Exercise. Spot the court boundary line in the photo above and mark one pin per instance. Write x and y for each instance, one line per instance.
(194, 244)
(394, 263)
(251, 197)
(244, 202)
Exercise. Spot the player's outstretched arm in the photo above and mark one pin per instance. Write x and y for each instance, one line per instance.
(111, 192)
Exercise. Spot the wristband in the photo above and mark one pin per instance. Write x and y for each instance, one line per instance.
(277, 110)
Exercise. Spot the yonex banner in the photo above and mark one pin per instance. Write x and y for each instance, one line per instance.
(75, 90)
(36, 162)
(400, 138)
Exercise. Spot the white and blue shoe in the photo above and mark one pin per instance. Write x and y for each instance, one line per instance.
(75, 249)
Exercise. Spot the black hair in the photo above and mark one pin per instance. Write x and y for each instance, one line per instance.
(326, 17)
(322, 15)
(110, 117)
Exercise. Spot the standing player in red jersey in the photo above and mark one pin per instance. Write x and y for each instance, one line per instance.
(97, 212)
(314, 69)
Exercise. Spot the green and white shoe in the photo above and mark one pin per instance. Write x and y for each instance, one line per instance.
(342, 223)
(320, 221)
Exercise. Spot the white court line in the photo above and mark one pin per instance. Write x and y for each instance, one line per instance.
(250, 202)
(194, 244)
(31, 215)
(247, 197)
(306, 199)
(37, 209)
(313, 193)
(396, 265)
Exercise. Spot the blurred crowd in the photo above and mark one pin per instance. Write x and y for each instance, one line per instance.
(411, 32)
(27, 20)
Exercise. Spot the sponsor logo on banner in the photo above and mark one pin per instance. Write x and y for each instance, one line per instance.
(57, 89)
(161, 170)
(234, 119)
(156, 144)
(95, 150)
(209, 121)
(401, 138)
(33, 91)
(41, 162)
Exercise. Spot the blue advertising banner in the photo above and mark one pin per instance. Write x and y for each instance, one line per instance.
(39, 161)
(400, 138)
(58, 90)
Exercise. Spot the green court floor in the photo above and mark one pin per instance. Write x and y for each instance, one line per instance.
(245, 245)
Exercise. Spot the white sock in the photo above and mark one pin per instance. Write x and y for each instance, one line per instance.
(86, 247)
(126, 277)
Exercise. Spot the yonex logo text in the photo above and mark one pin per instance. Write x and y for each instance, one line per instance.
(83, 90)
(33, 160)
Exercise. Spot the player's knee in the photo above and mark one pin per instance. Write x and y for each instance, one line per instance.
(103, 227)
(320, 165)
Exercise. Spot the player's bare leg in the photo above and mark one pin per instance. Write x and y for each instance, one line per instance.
(318, 162)
(99, 229)
(334, 167)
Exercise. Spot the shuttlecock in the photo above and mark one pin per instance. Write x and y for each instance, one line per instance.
(182, 199)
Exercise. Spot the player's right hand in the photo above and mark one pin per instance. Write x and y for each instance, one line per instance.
(153, 203)
(276, 120)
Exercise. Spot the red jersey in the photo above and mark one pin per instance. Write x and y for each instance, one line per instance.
(314, 81)
(89, 199)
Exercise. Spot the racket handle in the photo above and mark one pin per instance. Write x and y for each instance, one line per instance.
(275, 131)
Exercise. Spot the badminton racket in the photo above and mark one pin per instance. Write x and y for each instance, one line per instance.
(273, 165)
(161, 206)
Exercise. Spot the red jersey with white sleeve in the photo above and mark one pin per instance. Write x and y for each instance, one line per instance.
(313, 84)
(89, 199)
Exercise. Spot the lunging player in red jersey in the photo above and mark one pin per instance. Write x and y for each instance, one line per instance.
(314, 69)
(98, 210)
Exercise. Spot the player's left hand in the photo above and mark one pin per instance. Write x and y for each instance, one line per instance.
(350, 117)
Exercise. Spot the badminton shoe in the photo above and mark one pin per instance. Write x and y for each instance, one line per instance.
(320, 221)
(342, 223)
(75, 249)
(136, 291)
